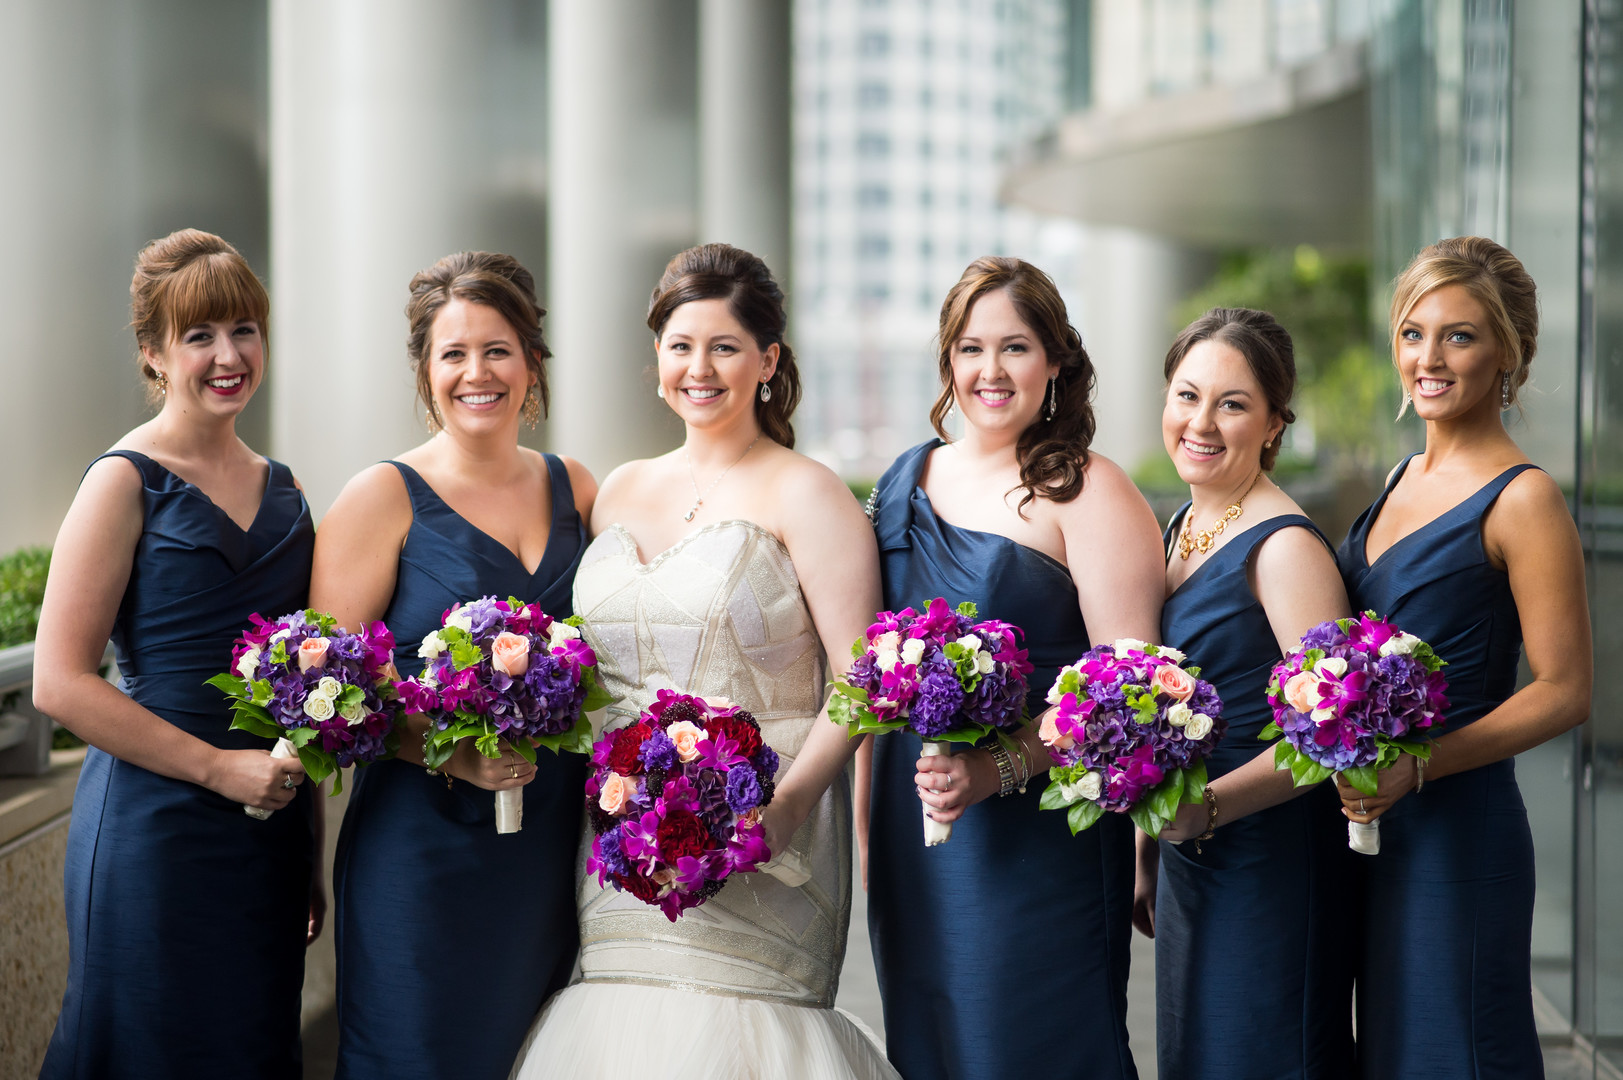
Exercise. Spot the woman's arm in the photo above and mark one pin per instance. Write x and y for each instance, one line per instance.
(90, 569)
(1530, 530)
(1294, 577)
(837, 561)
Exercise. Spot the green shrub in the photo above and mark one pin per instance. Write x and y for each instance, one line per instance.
(22, 588)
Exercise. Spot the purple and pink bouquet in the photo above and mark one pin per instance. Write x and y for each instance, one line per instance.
(675, 801)
(505, 671)
(941, 673)
(1131, 734)
(1354, 695)
(317, 689)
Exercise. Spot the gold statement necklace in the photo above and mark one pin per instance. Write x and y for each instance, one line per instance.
(1190, 542)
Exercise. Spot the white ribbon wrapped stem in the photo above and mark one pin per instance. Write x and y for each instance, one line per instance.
(935, 832)
(509, 810)
(282, 749)
(1364, 839)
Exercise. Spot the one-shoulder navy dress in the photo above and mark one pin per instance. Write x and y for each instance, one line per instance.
(450, 935)
(1004, 952)
(1253, 977)
(1445, 982)
(187, 917)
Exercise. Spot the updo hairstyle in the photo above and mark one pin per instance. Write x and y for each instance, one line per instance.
(186, 278)
(1268, 352)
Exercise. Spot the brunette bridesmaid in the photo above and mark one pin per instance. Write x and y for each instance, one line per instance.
(1444, 982)
(1253, 978)
(1022, 518)
(449, 935)
(187, 918)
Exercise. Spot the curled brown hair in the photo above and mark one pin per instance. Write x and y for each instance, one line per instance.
(186, 278)
(1053, 454)
(1268, 351)
(723, 272)
(479, 277)
(1494, 277)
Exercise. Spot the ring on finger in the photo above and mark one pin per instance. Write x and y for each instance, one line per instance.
(287, 782)
(1361, 809)
(512, 772)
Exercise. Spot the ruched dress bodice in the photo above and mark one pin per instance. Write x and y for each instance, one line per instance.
(1444, 978)
(186, 917)
(1240, 994)
(945, 990)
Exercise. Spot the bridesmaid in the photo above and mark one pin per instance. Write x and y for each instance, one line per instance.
(187, 919)
(1444, 983)
(1019, 517)
(1241, 993)
(450, 936)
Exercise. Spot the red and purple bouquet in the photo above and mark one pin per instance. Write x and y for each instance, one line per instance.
(505, 671)
(317, 689)
(941, 673)
(1131, 734)
(675, 801)
(1354, 695)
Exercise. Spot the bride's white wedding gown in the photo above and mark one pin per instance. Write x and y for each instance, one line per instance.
(741, 987)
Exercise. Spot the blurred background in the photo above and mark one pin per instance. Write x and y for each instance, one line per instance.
(1156, 157)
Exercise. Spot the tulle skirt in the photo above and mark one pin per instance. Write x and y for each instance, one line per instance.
(619, 1030)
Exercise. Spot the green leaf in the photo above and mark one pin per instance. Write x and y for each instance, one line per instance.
(488, 744)
(967, 609)
(337, 783)
(300, 736)
(1306, 771)
(973, 734)
(597, 697)
(465, 654)
(317, 764)
(1270, 732)
(1165, 796)
(1083, 814)
(1194, 782)
(278, 653)
(350, 695)
(1146, 818)
(231, 684)
(1053, 796)
(855, 693)
(525, 749)
(1362, 777)
(255, 721)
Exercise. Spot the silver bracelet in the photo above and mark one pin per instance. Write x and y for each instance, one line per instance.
(1005, 770)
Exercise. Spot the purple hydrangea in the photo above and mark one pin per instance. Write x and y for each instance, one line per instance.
(939, 696)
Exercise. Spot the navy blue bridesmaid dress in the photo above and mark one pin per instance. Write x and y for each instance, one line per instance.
(449, 935)
(1004, 952)
(187, 917)
(1445, 986)
(1253, 977)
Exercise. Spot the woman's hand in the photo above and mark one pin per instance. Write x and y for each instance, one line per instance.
(254, 778)
(1189, 823)
(493, 774)
(318, 906)
(949, 784)
(1145, 875)
(1393, 784)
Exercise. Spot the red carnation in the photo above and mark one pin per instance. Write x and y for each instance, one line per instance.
(627, 742)
(642, 888)
(681, 834)
(745, 735)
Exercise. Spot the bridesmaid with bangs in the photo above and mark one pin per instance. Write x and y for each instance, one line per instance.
(187, 918)
(1019, 516)
(1444, 978)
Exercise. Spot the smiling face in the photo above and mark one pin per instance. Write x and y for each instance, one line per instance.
(1447, 356)
(1216, 418)
(211, 367)
(476, 369)
(1000, 370)
(710, 367)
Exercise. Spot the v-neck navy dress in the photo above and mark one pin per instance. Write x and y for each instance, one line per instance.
(1253, 977)
(187, 917)
(449, 935)
(1445, 984)
(1003, 953)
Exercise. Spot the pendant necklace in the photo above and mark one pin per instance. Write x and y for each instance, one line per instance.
(1202, 541)
(698, 496)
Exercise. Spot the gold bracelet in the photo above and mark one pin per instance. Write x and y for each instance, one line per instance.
(1211, 818)
(1005, 770)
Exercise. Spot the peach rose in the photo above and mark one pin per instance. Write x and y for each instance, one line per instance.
(1173, 681)
(510, 654)
(312, 653)
(686, 735)
(1048, 731)
(615, 798)
(1302, 691)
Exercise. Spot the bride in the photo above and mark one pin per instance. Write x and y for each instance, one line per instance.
(729, 567)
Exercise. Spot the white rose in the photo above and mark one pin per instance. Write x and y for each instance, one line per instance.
(1323, 716)
(329, 687)
(1199, 726)
(984, 662)
(461, 620)
(1335, 665)
(889, 641)
(885, 659)
(1403, 644)
(318, 707)
(1055, 692)
(972, 642)
(1170, 653)
(354, 713)
(432, 646)
(913, 651)
(1127, 644)
(280, 635)
(248, 664)
(1180, 715)
(1088, 786)
(560, 633)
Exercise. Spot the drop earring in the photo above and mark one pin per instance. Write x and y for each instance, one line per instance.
(1053, 399)
(1504, 391)
(163, 384)
(659, 391)
(532, 408)
(766, 391)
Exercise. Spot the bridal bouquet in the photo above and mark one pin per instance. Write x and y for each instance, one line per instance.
(940, 673)
(1132, 733)
(321, 692)
(675, 801)
(505, 671)
(1353, 696)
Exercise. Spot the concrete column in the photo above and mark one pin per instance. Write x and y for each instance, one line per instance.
(744, 69)
(401, 131)
(621, 202)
